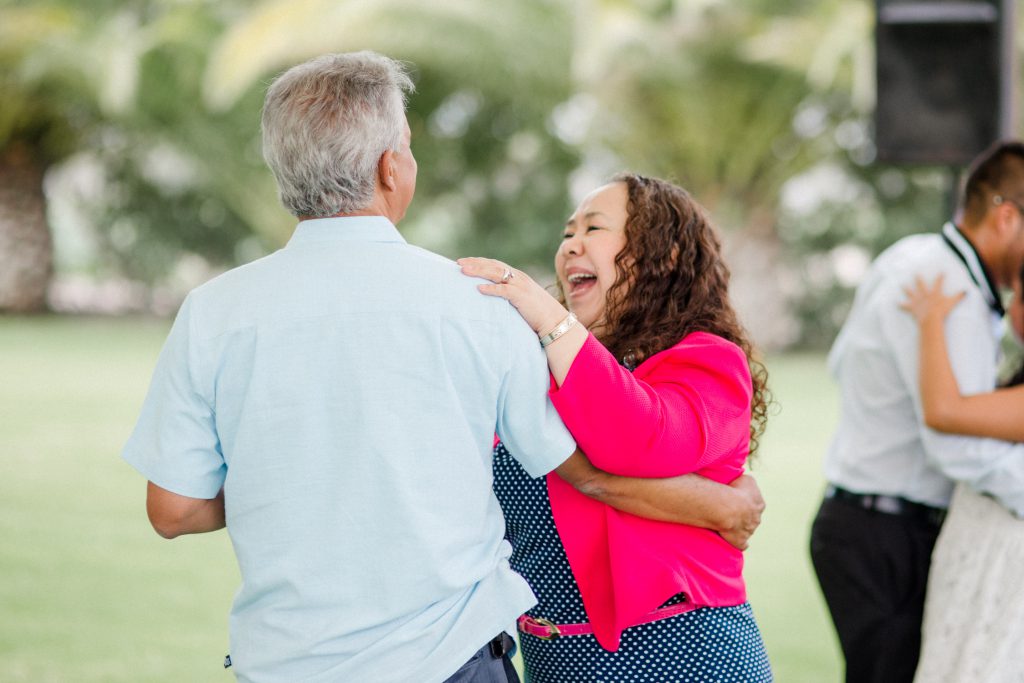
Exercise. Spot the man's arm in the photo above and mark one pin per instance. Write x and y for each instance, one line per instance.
(175, 440)
(734, 511)
(174, 515)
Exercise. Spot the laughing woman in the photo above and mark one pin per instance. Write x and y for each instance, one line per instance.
(653, 375)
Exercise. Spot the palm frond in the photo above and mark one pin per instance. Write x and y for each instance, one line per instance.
(530, 47)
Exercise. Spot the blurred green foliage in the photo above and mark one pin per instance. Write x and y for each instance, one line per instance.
(761, 109)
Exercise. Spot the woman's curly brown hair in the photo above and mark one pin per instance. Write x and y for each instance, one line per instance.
(671, 281)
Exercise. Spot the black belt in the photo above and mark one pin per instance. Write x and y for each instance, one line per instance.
(889, 505)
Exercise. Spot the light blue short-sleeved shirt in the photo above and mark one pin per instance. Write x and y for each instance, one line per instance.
(345, 392)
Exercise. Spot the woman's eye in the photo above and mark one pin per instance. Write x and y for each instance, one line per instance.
(593, 227)
(566, 235)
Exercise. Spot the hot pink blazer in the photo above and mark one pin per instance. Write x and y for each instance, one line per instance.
(686, 409)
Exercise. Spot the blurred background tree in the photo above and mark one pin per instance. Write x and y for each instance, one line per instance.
(492, 174)
(763, 110)
(143, 119)
(45, 111)
(168, 181)
(103, 98)
(686, 91)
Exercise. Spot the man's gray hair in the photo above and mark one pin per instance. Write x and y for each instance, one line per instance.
(326, 124)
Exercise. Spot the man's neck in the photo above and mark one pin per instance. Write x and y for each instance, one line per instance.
(353, 214)
(987, 250)
(378, 206)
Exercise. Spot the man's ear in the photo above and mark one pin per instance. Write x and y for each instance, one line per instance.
(1007, 219)
(386, 170)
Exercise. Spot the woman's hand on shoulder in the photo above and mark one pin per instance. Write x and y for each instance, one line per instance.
(927, 303)
(541, 311)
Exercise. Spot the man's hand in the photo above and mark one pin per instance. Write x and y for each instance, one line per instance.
(734, 511)
(747, 513)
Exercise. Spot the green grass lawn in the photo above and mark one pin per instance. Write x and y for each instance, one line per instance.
(88, 593)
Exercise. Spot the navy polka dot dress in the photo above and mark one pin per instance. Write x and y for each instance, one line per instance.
(707, 645)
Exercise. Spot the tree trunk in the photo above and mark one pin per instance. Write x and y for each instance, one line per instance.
(26, 249)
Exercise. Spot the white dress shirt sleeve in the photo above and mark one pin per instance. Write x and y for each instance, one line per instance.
(990, 466)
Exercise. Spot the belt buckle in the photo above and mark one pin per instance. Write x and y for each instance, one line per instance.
(890, 505)
(552, 628)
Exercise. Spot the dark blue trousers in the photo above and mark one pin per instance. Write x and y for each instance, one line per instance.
(491, 664)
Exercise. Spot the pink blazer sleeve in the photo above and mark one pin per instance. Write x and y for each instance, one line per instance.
(679, 412)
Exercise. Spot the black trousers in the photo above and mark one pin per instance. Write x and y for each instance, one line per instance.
(491, 664)
(873, 571)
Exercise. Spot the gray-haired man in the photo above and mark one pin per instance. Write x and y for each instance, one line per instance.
(339, 399)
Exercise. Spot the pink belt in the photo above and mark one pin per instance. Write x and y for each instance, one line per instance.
(545, 630)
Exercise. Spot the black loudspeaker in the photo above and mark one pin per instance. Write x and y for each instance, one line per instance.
(945, 78)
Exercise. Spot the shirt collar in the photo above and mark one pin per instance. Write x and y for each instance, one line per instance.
(966, 252)
(347, 228)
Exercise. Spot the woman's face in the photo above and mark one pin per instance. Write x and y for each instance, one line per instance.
(585, 262)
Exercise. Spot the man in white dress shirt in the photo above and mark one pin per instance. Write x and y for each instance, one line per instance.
(890, 477)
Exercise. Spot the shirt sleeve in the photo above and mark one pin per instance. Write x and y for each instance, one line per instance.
(174, 443)
(527, 421)
(990, 466)
(687, 411)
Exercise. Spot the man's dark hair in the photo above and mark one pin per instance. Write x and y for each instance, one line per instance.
(998, 171)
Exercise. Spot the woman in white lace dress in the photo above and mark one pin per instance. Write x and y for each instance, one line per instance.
(974, 613)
